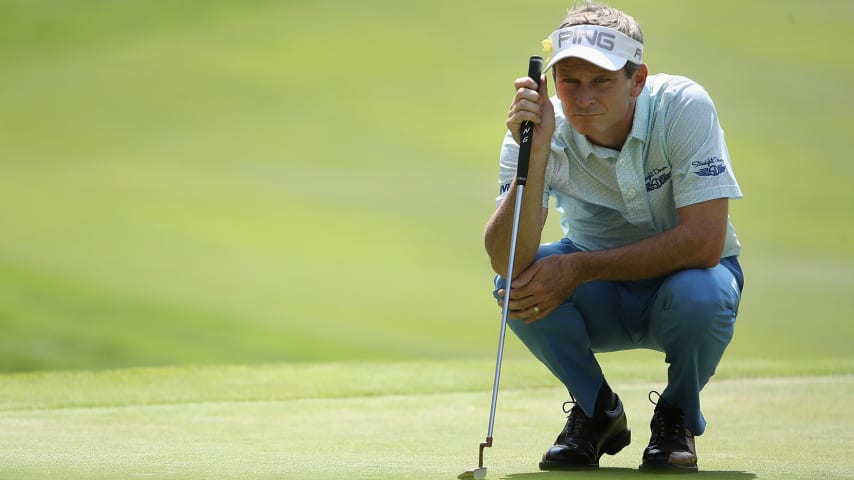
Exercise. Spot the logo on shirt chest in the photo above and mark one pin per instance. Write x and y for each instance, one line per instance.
(711, 167)
(657, 178)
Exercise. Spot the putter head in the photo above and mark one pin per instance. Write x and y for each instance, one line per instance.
(475, 473)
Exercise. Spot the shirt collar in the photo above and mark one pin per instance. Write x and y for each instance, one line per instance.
(641, 120)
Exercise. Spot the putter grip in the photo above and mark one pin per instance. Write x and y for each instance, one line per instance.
(535, 69)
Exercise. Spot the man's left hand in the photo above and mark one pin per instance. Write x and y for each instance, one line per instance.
(543, 286)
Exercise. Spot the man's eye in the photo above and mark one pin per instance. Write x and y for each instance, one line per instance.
(602, 80)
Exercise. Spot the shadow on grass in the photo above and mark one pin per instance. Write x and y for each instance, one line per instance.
(624, 473)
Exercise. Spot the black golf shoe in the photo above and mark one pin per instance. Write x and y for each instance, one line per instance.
(585, 439)
(671, 446)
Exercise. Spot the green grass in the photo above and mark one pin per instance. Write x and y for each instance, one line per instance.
(384, 420)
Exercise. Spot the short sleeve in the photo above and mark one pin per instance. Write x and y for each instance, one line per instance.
(508, 161)
(697, 150)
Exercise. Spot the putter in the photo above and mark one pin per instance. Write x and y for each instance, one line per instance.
(535, 68)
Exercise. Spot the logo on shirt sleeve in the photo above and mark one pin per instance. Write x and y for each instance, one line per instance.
(657, 178)
(504, 188)
(711, 167)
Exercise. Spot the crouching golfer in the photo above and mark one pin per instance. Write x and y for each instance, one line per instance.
(640, 173)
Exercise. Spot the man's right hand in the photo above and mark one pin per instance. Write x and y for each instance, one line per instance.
(534, 106)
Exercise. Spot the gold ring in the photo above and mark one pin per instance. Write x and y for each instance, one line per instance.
(536, 309)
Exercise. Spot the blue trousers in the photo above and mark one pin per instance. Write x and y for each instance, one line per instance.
(689, 315)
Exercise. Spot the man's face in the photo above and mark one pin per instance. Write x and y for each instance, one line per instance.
(598, 103)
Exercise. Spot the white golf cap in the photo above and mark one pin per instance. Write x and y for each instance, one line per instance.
(601, 46)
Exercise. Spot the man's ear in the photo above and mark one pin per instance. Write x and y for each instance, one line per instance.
(639, 79)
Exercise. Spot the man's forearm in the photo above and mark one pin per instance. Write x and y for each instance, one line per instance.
(695, 243)
(499, 229)
(650, 258)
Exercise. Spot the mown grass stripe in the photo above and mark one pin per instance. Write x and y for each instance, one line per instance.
(201, 384)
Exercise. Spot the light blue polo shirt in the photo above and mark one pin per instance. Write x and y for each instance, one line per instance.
(675, 155)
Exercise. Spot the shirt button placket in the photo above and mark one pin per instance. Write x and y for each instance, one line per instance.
(627, 179)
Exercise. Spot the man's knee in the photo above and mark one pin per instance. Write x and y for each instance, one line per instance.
(564, 324)
(697, 302)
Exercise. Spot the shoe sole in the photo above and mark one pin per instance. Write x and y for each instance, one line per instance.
(611, 447)
(617, 443)
(667, 468)
(566, 467)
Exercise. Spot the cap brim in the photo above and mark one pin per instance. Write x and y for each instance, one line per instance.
(592, 55)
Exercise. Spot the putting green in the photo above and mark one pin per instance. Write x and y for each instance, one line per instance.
(388, 420)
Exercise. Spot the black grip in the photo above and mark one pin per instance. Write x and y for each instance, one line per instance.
(535, 69)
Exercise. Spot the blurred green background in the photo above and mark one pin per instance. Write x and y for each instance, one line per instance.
(263, 181)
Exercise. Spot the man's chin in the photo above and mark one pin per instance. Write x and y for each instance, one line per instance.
(585, 128)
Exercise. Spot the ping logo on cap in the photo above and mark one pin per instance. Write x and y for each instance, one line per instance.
(603, 46)
(598, 38)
